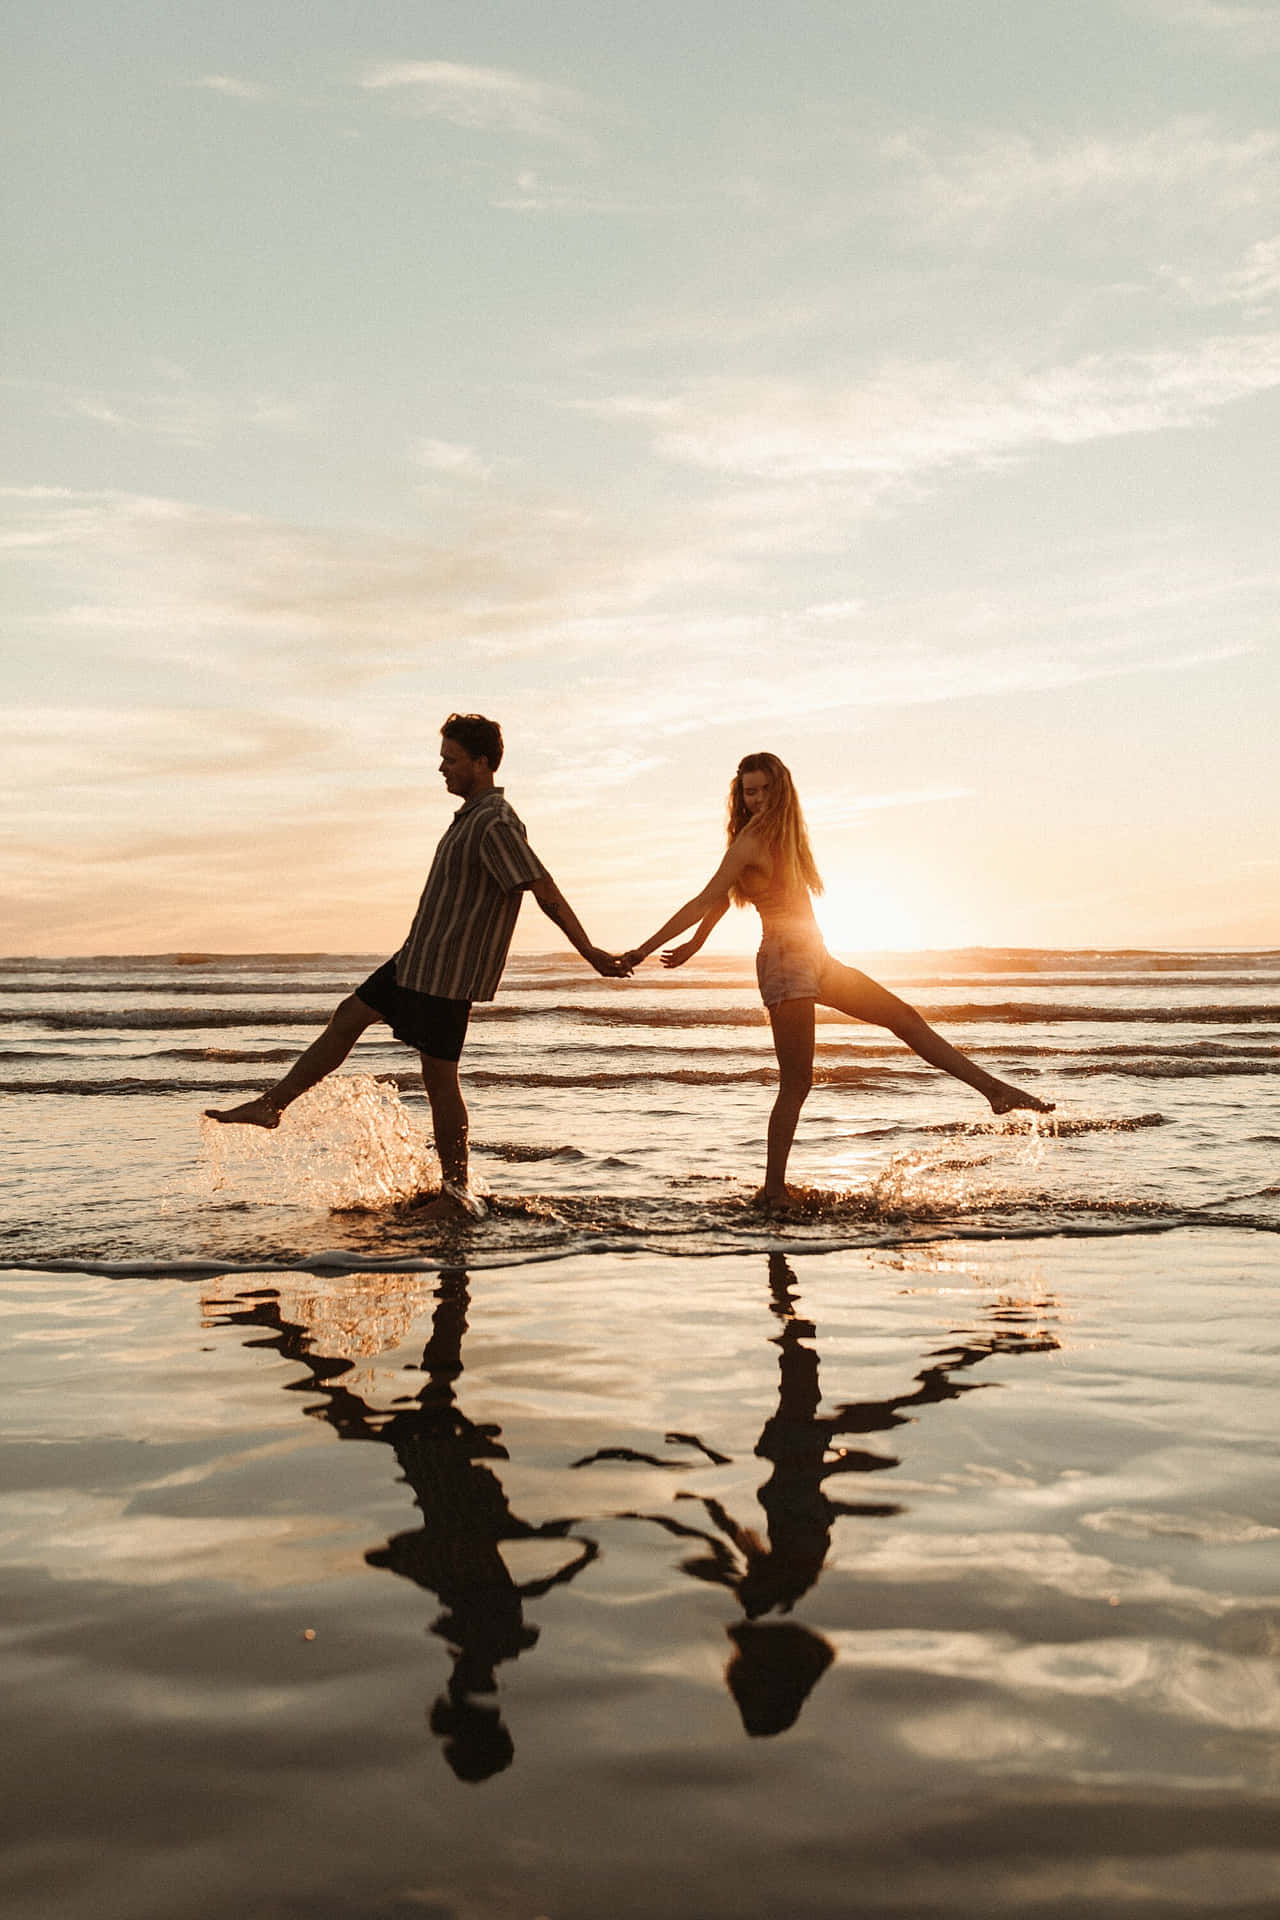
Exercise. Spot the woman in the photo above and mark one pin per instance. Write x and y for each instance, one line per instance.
(769, 866)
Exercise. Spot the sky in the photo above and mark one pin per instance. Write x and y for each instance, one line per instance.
(894, 387)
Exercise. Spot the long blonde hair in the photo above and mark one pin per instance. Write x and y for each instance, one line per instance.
(780, 824)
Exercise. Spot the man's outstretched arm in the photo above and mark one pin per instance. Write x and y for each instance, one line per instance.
(557, 908)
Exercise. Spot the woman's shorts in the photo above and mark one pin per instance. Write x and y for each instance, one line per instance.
(790, 966)
(422, 1021)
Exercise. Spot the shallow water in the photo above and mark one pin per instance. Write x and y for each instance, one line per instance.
(919, 1554)
(632, 1113)
(941, 1580)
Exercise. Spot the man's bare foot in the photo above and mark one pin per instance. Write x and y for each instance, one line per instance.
(254, 1113)
(453, 1203)
(1007, 1099)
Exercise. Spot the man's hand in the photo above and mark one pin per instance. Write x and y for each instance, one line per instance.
(629, 961)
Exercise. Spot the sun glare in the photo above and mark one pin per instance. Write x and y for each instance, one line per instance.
(861, 913)
(870, 926)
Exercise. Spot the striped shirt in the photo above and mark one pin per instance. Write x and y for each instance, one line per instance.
(457, 945)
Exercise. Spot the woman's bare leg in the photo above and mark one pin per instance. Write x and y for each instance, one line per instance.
(349, 1021)
(863, 998)
(792, 1024)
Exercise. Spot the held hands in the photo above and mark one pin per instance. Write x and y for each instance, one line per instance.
(620, 966)
(612, 966)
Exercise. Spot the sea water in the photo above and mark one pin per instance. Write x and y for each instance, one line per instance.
(629, 1552)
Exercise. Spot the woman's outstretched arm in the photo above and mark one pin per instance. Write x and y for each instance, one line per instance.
(676, 956)
(714, 899)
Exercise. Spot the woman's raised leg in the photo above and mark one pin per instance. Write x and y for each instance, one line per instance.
(792, 1024)
(863, 998)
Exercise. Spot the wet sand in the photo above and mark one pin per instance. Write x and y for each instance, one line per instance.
(942, 1581)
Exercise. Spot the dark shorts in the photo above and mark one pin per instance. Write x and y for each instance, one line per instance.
(422, 1021)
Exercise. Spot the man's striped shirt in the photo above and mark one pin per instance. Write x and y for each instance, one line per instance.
(457, 945)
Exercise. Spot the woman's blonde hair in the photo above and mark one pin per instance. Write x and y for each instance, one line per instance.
(780, 823)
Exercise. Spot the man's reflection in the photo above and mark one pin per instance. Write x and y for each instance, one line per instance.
(775, 1667)
(456, 1553)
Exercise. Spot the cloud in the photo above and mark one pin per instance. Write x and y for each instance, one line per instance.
(233, 88)
(448, 457)
(79, 751)
(833, 809)
(530, 192)
(1184, 167)
(486, 99)
(176, 408)
(170, 578)
(1253, 284)
(1241, 28)
(908, 421)
(246, 608)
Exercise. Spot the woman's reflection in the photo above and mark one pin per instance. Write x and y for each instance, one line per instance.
(775, 1667)
(456, 1553)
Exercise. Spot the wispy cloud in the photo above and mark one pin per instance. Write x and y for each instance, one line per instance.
(1252, 284)
(101, 751)
(234, 88)
(1241, 28)
(450, 458)
(487, 99)
(907, 421)
(190, 594)
(176, 407)
(150, 575)
(991, 176)
(834, 809)
(531, 192)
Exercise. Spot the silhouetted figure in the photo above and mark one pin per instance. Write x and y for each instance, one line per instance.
(776, 1665)
(768, 864)
(456, 1552)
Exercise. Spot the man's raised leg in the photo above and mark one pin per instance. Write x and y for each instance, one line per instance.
(349, 1021)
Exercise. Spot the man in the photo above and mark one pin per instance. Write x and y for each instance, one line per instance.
(455, 953)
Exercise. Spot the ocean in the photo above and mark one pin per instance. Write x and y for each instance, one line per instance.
(628, 1551)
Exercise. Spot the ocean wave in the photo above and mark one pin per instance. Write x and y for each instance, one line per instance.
(741, 978)
(1048, 1125)
(229, 1056)
(888, 1071)
(1035, 960)
(515, 1152)
(658, 1018)
(525, 1229)
(164, 1019)
(1148, 1069)
(190, 989)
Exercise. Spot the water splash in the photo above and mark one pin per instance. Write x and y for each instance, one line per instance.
(923, 1182)
(348, 1145)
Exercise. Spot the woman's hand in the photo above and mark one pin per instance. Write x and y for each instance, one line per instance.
(628, 962)
(676, 956)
